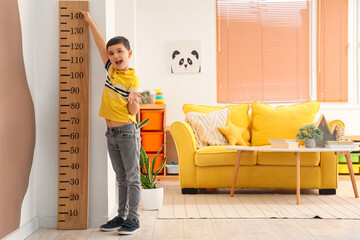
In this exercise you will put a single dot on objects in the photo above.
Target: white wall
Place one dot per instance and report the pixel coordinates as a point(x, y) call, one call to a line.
point(41, 51)
point(161, 21)
point(28, 27)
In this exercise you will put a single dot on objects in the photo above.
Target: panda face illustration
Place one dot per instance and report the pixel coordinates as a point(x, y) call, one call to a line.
point(187, 62)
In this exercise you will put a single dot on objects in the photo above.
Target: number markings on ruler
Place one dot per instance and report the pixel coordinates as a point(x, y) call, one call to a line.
point(73, 116)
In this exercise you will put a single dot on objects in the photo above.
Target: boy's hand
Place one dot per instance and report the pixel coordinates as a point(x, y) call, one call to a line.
point(134, 97)
point(86, 14)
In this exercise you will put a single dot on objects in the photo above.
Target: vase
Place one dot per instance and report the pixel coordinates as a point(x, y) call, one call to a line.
point(310, 143)
point(152, 199)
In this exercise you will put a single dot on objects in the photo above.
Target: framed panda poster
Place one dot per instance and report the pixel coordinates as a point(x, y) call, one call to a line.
point(185, 56)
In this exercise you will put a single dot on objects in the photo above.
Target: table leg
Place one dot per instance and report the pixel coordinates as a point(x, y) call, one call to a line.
point(297, 177)
point(236, 170)
point(351, 173)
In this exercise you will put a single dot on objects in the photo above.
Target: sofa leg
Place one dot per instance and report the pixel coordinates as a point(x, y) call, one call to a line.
point(327, 191)
point(189, 190)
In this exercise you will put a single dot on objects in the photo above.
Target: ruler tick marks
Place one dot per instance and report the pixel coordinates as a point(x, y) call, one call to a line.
point(74, 116)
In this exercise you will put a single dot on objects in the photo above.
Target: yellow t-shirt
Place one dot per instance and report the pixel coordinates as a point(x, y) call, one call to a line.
point(119, 84)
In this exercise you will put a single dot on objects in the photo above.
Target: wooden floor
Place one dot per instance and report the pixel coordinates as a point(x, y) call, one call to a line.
point(262, 229)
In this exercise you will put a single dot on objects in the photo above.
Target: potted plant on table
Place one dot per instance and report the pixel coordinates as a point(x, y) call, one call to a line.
point(308, 134)
point(151, 195)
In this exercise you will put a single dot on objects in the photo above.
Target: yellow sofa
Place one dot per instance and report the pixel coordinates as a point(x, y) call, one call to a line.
point(213, 166)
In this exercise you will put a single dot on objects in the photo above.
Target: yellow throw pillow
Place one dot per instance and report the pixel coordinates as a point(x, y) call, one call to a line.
point(233, 134)
point(238, 115)
point(205, 127)
point(280, 122)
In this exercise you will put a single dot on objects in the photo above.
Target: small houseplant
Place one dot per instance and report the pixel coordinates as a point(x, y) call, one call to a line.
point(308, 134)
point(151, 195)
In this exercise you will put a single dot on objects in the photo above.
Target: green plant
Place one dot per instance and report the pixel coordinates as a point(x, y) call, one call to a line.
point(148, 176)
point(309, 132)
point(146, 97)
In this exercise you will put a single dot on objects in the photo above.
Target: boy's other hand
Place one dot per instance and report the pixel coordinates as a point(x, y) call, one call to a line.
point(86, 14)
point(134, 97)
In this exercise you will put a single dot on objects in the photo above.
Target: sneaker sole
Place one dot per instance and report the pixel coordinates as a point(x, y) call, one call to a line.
point(110, 229)
point(128, 233)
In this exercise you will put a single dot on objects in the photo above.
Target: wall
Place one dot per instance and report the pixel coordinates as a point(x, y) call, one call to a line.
point(47, 117)
point(40, 41)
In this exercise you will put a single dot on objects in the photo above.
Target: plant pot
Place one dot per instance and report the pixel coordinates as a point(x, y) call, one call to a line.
point(152, 199)
point(310, 143)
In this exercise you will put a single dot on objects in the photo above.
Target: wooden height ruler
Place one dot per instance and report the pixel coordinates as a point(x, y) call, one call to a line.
point(74, 94)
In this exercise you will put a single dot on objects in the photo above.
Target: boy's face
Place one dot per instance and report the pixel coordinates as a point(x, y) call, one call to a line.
point(119, 56)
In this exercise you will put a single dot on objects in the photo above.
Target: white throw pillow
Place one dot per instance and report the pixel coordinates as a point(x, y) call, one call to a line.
point(205, 127)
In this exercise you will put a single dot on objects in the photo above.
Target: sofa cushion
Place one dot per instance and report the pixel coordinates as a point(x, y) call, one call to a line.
point(205, 127)
point(280, 122)
point(309, 159)
point(220, 156)
point(233, 134)
point(238, 115)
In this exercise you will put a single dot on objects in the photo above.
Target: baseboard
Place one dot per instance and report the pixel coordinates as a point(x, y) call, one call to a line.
point(24, 231)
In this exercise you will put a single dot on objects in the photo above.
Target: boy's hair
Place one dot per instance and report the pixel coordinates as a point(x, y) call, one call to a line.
point(117, 40)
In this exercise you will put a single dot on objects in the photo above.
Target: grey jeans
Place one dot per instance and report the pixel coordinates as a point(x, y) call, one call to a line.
point(124, 150)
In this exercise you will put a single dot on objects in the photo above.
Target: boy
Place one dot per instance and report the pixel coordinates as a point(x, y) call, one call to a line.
point(119, 105)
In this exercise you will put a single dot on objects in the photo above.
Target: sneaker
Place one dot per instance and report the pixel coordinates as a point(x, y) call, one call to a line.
point(130, 226)
point(112, 225)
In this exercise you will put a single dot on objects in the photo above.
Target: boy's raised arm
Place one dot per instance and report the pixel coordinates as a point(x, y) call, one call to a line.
point(99, 39)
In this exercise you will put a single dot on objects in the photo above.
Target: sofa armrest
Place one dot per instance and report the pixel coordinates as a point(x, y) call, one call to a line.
point(185, 143)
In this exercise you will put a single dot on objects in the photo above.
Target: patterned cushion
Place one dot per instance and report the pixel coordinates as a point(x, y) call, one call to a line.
point(238, 115)
point(205, 127)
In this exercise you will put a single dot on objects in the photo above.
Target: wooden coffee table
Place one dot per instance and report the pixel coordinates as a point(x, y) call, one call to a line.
point(338, 151)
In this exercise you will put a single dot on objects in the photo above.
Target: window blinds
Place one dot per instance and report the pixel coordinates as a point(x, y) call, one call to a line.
point(262, 50)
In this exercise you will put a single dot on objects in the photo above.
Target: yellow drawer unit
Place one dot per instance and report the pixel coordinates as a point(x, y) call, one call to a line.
point(343, 168)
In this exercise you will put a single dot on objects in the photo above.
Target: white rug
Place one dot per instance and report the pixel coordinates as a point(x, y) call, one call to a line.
point(260, 203)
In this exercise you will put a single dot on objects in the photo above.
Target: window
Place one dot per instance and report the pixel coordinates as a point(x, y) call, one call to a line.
point(263, 50)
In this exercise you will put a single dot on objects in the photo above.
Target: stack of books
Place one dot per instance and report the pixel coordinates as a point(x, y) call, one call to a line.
point(340, 144)
point(284, 143)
